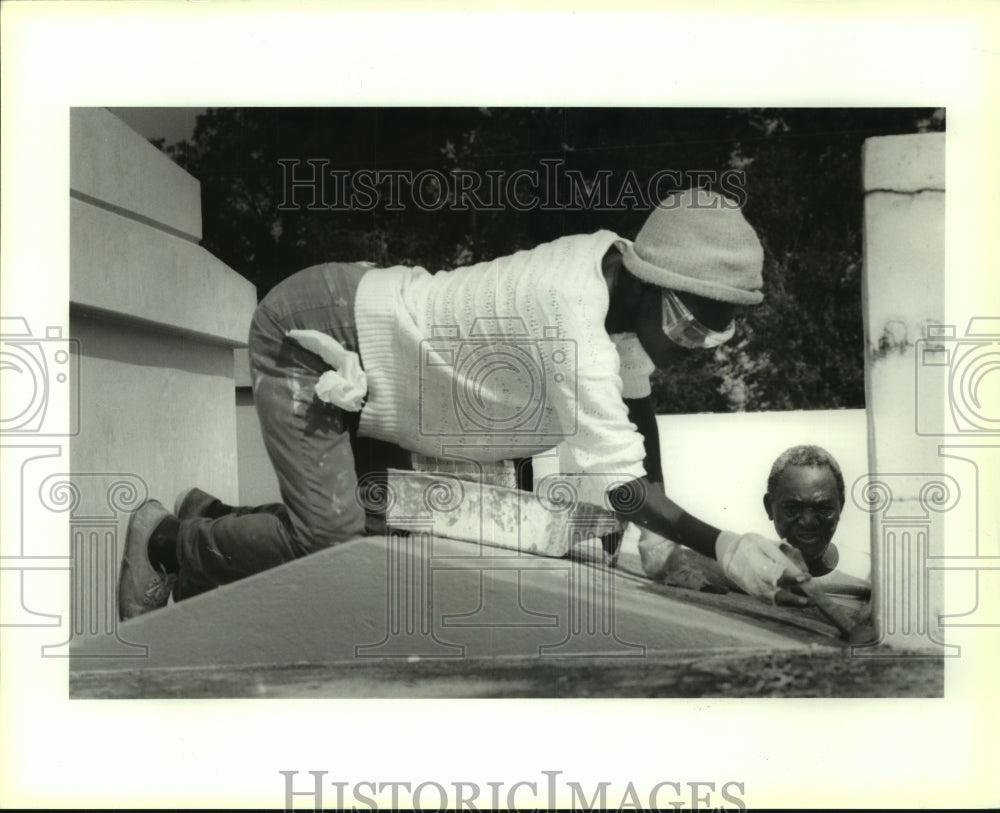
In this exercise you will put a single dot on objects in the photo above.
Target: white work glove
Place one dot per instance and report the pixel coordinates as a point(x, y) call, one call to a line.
point(664, 560)
point(760, 567)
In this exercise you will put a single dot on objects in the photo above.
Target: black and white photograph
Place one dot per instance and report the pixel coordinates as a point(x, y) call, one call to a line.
point(478, 326)
point(359, 415)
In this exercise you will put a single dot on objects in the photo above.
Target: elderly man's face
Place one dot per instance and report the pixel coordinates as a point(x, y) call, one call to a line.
point(805, 508)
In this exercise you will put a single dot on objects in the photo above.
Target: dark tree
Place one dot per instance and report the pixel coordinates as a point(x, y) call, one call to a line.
point(802, 349)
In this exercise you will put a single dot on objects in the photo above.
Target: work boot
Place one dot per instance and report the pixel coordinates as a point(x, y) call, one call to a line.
point(141, 586)
point(193, 502)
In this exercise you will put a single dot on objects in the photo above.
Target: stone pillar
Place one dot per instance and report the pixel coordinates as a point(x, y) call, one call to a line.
point(904, 304)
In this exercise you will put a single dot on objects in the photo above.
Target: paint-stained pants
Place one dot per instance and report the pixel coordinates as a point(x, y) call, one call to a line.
point(308, 441)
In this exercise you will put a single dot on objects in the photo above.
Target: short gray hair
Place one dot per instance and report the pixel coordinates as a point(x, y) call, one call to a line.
point(805, 455)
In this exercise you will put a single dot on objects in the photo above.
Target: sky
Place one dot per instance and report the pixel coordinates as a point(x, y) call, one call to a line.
point(171, 123)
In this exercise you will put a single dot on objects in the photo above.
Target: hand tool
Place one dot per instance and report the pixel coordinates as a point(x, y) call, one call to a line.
point(855, 632)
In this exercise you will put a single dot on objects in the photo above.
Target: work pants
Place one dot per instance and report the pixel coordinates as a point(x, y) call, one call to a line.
point(308, 441)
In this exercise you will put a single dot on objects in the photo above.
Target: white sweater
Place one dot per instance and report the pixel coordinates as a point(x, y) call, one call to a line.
point(504, 359)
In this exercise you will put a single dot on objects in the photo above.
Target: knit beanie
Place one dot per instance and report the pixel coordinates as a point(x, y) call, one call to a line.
point(698, 241)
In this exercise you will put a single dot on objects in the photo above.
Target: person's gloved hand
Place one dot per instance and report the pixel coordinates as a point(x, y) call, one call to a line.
point(762, 567)
point(664, 560)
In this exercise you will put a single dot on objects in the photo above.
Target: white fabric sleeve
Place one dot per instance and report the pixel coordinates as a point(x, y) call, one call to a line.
point(603, 444)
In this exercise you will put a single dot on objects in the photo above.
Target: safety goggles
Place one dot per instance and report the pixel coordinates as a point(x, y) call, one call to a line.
point(681, 326)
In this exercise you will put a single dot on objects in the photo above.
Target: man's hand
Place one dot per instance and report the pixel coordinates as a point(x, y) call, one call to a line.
point(763, 568)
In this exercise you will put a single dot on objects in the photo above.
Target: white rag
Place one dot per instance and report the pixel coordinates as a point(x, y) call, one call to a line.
point(345, 385)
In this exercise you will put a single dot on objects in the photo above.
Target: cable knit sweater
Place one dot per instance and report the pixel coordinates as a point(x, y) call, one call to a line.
point(503, 359)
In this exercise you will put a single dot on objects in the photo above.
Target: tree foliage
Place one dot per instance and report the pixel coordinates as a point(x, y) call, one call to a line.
point(801, 349)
